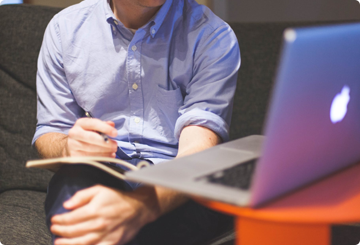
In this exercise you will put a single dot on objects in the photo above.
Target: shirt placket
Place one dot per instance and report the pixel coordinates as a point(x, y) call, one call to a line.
point(136, 98)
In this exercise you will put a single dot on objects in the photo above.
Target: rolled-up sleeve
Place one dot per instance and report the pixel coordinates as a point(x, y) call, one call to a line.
point(209, 95)
point(57, 109)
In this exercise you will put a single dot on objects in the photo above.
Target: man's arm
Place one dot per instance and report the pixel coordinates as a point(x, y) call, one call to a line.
point(52, 145)
point(83, 140)
point(195, 139)
point(192, 139)
point(90, 220)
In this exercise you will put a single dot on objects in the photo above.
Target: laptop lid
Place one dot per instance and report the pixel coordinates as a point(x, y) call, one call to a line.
point(313, 123)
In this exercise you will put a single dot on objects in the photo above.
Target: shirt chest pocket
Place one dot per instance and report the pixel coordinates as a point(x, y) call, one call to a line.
point(167, 104)
point(169, 100)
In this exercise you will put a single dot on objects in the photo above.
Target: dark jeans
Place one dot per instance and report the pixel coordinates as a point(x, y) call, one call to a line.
point(189, 224)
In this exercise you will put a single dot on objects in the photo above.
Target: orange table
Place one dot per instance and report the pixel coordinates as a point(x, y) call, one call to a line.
point(303, 217)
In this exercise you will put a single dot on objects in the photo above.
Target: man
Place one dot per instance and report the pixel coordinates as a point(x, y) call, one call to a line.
point(158, 76)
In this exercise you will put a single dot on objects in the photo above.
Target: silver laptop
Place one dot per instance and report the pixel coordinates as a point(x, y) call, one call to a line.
point(312, 127)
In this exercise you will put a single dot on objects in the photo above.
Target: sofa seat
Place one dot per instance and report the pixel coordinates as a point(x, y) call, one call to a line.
point(22, 218)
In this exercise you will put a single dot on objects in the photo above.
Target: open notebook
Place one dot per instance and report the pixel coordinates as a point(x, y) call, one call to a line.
point(107, 164)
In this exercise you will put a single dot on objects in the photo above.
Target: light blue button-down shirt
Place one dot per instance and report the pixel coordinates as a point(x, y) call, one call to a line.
point(179, 69)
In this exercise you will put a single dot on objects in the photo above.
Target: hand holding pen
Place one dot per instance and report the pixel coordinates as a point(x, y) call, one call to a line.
point(105, 137)
point(90, 137)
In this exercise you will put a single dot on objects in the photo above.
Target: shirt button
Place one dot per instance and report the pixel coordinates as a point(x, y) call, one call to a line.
point(153, 31)
point(134, 48)
point(115, 22)
point(137, 120)
point(135, 86)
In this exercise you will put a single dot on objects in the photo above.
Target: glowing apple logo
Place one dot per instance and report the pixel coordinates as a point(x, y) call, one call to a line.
point(339, 105)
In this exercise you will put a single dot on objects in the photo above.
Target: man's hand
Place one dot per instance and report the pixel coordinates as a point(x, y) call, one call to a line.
point(101, 215)
point(83, 140)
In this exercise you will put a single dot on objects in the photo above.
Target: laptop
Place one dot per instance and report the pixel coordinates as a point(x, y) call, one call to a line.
point(312, 127)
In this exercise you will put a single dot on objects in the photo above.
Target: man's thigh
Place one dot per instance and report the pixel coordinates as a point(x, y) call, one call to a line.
point(189, 224)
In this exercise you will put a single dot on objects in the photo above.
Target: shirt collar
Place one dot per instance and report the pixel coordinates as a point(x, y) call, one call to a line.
point(160, 16)
point(157, 20)
point(108, 12)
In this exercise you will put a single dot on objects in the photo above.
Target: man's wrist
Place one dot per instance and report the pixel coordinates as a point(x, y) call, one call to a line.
point(157, 201)
point(149, 204)
point(65, 150)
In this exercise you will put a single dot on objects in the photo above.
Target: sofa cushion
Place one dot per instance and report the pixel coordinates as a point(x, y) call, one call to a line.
point(20, 45)
point(21, 32)
point(17, 126)
point(22, 218)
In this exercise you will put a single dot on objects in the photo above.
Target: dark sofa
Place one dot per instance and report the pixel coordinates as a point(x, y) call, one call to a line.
point(22, 191)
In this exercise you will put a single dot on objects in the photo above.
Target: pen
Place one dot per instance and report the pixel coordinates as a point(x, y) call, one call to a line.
point(105, 137)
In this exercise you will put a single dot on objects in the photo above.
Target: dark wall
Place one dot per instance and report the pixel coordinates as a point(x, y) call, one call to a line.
point(286, 10)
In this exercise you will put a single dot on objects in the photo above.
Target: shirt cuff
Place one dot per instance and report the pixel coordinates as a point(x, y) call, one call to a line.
point(41, 130)
point(205, 119)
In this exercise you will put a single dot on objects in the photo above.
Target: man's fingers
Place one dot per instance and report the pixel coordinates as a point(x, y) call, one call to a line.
point(93, 124)
point(78, 202)
point(112, 124)
point(90, 238)
point(93, 154)
point(92, 143)
point(71, 218)
point(80, 229)
point(84, 138)
point(90, 232)
point(81, 198)
point(89, 136)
